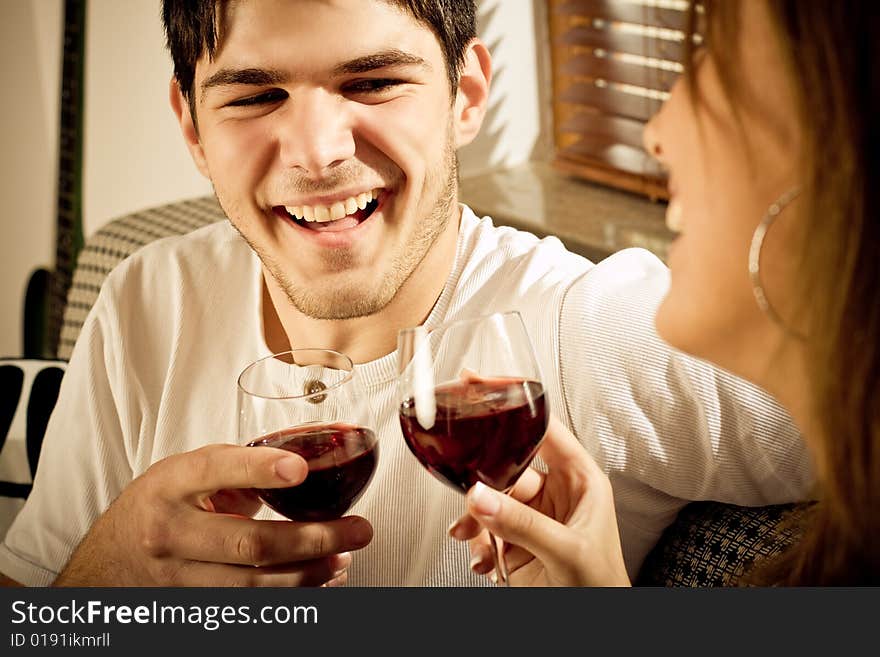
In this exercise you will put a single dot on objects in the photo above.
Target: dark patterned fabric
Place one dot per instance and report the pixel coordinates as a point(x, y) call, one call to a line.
point(713, 544)
point(116, 241)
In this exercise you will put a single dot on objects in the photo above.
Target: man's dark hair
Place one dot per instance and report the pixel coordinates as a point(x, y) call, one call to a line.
point(192, 28)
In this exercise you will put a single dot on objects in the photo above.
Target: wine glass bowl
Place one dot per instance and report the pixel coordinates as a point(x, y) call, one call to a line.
point(308, 401)
point(472, 403)
point(485, 430)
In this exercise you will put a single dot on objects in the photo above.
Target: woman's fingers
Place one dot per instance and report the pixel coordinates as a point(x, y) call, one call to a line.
point(542, 548)
point(562, 451)
point(518, 523)
point(483, 563)
point(481, 557)
point(527, 486)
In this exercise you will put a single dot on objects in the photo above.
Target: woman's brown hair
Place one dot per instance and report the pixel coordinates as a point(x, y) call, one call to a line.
point(830, 52)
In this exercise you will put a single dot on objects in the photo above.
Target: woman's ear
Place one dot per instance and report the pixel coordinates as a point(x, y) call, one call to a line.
point(188, 127)
point(472, 97)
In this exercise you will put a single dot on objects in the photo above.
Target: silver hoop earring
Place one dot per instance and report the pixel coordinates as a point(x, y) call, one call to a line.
point(769, 217)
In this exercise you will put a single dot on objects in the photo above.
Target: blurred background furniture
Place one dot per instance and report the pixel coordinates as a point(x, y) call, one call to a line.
point(30, 389)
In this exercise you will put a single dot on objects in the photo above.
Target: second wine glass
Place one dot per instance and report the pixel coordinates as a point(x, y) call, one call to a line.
point(309, 401)
point(472, 403)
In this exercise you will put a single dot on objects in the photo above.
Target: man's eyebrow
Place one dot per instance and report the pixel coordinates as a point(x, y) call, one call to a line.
point(249, 76)
point(391, 57)
point(263, 76)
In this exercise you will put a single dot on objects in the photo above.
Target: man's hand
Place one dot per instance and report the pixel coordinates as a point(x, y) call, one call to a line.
point(185, 522)
point(560, 528)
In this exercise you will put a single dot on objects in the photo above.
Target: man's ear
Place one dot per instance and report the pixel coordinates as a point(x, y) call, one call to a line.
point(188, 127)
point(472, 98)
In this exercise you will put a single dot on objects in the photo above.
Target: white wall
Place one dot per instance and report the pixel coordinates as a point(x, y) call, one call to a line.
point(133, 154)
point(30, 49)
point(516, 124)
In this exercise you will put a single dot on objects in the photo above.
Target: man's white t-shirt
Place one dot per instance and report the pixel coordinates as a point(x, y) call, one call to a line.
point(154, 373)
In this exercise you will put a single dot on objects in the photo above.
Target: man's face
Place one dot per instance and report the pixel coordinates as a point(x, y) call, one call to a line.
point(326, 128)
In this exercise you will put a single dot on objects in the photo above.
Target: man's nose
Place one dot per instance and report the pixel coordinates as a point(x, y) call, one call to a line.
point(317, 134)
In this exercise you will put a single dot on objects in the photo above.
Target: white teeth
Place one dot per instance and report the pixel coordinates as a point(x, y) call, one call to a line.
point(337, 211)
point(334, 212)
point(673, 216)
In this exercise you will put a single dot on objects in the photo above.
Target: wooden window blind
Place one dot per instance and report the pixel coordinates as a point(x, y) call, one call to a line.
point(613, 63)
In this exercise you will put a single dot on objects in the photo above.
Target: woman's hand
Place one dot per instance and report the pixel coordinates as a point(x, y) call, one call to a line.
point(559, 528)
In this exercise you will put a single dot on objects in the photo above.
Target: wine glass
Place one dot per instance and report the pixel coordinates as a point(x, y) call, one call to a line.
point(309, 401)
point(472, 405)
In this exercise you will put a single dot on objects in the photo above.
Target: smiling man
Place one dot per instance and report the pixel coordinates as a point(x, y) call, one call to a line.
point(328, 129)
point(335, 159)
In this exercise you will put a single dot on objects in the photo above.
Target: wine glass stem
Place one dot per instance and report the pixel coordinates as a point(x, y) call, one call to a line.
point(498, 558)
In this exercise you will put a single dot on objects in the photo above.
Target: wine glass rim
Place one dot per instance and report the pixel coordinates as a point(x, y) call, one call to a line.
point(465, 320)
point(347, 378)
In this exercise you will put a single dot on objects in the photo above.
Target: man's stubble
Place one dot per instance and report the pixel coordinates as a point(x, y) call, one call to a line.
point(349, 298)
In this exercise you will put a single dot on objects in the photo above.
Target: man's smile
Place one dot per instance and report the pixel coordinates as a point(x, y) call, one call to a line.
point(338, 215)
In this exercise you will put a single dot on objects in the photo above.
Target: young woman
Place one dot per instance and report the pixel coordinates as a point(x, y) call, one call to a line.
point(772, 149)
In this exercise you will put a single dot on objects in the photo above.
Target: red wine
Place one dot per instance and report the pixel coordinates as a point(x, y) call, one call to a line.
point(484, 431)
point(342, 459)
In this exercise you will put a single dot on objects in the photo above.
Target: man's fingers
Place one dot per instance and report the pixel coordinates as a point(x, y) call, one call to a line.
point(237, 501)
point(316, 572)
point(208, 537)
point(214, 467)
point(340, 580)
